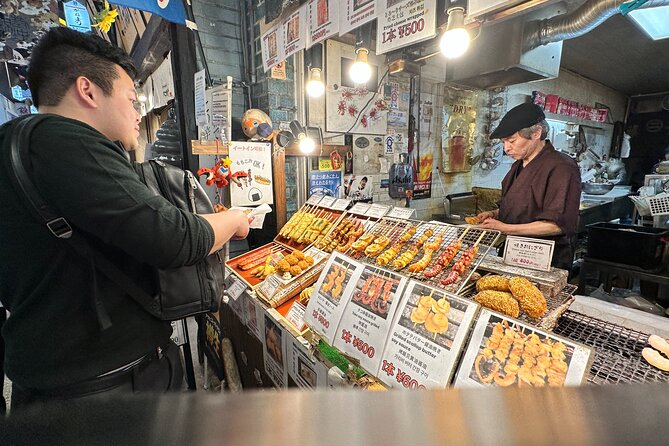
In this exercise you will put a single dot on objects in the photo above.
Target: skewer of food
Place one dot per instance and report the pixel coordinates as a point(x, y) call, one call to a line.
point(298, 216)
point(463, 262)
point(257, 258)
point(429, 249)
point(446, 257)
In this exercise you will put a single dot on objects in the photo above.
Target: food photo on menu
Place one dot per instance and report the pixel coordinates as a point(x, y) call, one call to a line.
point(375, 291)
point(336, 278)
point(433, 315)
point(306, 372)
point(273, 340)
point(511, 354)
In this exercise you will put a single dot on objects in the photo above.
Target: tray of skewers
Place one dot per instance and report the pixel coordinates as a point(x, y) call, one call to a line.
point(344, 234)
point(308, 226)
point(384, 234)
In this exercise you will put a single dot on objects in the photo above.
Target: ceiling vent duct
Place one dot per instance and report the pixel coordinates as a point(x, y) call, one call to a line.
point(497, 59)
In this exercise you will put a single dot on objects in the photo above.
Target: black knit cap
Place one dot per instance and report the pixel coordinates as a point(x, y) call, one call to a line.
point(519, 117)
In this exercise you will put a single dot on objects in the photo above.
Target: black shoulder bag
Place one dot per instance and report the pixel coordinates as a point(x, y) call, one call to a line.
point(182, 292)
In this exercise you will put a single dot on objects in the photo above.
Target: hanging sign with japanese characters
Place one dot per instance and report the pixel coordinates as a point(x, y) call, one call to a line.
point(323, 20)
point(272, 47)
point(425, 342)
point(405, 22)
point(367, 318)
point(250, 173)
point(295, 32)
point(356, 13)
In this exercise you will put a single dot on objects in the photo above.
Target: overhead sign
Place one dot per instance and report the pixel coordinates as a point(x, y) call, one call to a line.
point(356, 13)
point(76, 16)
point(271, 45)
point(404, 23)
point(323, 20)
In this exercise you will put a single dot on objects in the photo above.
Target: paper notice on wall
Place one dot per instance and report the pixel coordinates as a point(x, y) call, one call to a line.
point(251, 173)
point(295, 32)
point(199, 87)
point(356, 13)
point(272, 48)
point(404, 22)
point(323, 20)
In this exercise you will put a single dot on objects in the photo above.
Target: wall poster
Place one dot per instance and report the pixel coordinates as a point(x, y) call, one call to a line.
point(272, 47)
point(323, 20)
point(458, 129)
point(356, 13)
point(404, 22)
point(295, 32)
point(252, 163)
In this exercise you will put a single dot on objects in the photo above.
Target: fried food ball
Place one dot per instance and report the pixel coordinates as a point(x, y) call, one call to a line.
point(531, 300)
point(283, 265)
point(309, 260)
point(295, 270)
point(493, 282)
point(291, 259)
point(298, 254)
point(498, 301)
point(303, 265)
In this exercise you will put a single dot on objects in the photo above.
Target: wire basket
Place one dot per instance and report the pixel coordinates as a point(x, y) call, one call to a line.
point(658, 205)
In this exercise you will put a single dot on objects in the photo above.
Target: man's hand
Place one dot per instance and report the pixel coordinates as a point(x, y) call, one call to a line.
point(483, 216)
point(491, 223)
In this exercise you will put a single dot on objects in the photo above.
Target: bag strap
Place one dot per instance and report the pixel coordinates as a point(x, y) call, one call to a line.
point(60, 227)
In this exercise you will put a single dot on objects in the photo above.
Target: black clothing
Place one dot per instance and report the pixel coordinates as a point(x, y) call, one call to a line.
point(547, 188)
point(52, 336)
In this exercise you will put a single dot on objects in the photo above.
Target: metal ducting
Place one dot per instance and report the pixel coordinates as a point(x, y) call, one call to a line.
point(583, 20)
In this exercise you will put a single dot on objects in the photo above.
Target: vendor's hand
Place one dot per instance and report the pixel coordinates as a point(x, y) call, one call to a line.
point(483, 216)
point(491, 223)
point(242, 221)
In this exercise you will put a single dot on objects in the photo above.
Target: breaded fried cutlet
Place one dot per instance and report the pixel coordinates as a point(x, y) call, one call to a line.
point(493, 282)
point(531, 300)
point(499, 301)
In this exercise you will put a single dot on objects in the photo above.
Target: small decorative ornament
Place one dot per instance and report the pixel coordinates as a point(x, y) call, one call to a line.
point(105, 18)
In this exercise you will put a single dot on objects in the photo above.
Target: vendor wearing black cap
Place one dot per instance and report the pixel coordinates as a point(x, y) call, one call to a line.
point(542, 191)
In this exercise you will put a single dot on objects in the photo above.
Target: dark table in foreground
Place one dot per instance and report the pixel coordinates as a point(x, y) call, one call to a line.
point(607, 415)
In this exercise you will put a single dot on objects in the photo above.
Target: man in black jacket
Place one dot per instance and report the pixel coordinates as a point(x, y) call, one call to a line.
point(55, 347)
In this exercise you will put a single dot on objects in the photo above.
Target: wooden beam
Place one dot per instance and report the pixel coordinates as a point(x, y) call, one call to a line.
point(279, 174)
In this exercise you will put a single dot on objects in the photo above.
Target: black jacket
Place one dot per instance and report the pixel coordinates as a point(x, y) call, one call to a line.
point(52, 336)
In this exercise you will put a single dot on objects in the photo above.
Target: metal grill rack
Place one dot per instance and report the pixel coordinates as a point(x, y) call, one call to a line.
point(658, 205)
point(367, 222)
point(421, 228)
point(617, 350)
point(392, 228)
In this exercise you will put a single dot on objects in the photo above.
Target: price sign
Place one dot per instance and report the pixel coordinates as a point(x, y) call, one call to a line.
point(377, 210)
point(296, 316)
point(403, 213)
point(324, 164)
point(341, 204)
point(529, 253)
point(314, 199)
point(269, 286)
point(236, 288)
point(360, 209)
point(327, 202)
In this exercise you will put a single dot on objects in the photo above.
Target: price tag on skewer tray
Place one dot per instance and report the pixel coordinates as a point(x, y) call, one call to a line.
point(505, 352)
point(377, 210)
point(331, 293)
point(235, 287)
point(341, 204)
point(327, 202)
point(426, 339)
point(366, 320)
point(314, 199)
point(403, 213)
point(295, 316)
point(360, 209)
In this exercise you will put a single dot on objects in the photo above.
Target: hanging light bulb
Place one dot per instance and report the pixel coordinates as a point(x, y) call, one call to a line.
point(307, 145)
point(455, 41)
point(360, 71)
point(304, 142)
point(315, 87)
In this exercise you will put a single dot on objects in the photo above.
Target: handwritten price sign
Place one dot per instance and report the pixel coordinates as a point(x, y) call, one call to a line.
point(529, 253)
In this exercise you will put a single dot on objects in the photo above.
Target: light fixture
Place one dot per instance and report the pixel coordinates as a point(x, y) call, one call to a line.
point(141, 96)
point(304, 141)
point(315, 86)
point(455, 41)
point(360, 71)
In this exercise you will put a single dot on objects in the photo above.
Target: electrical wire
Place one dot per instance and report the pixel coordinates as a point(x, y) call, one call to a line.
point(378, 90)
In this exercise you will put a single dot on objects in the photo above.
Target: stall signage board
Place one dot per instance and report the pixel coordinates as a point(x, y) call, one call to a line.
point(562, 362)
point(331, 293)
point(255, 317)
point(368, 315)
point(314, 199)
point(76, 16)
point(341, 204)
point(377, 210)
point(306, 371)
point(274, 351)
point(422, 352)
point(325, 183)
point(199, 88)
point(529, 253)
point(355, 13)
point(323, 20)
point(402, 213)
point(254, 161)
point(405, 23)
point(360, 209)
